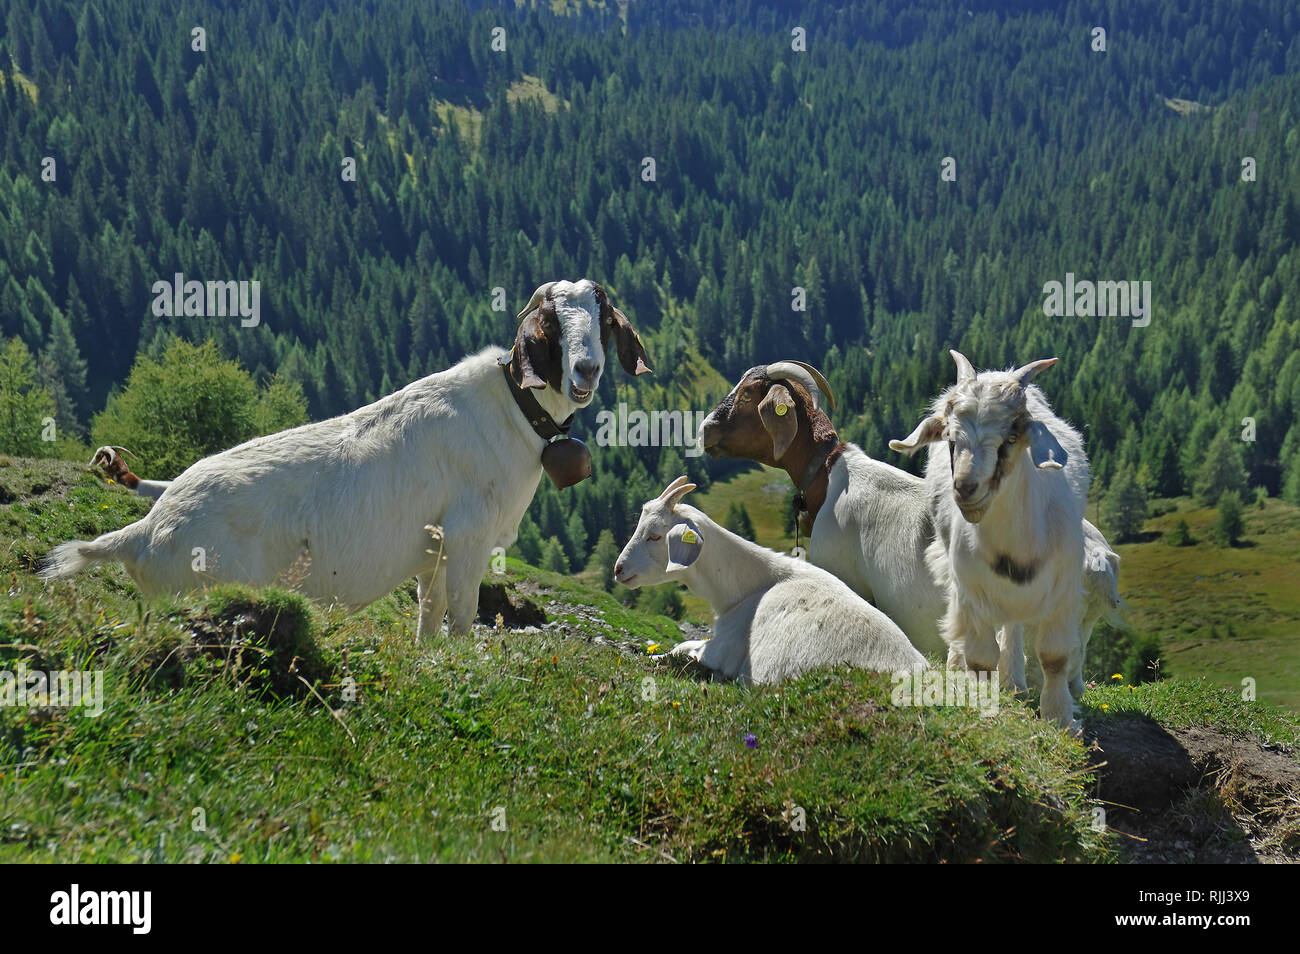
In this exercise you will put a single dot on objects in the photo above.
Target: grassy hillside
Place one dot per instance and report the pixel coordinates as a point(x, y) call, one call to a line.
point(1223, 613)
point(228, 734)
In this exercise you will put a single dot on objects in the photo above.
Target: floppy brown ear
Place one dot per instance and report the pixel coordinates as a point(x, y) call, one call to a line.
point(777, 413)
point(631, 354)
point(530, 358)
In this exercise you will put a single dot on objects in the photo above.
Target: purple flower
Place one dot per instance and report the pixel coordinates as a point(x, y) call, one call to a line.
point(751, 741)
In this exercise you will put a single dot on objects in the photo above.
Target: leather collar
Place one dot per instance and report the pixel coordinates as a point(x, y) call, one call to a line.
point(541, 422)
point(815, 465)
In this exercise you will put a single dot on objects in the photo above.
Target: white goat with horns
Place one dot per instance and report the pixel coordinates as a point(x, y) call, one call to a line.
point(348, 501)
point(1008, 482)
point(776, 616)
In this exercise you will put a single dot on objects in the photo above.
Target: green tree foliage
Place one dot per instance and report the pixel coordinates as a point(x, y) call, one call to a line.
point(603, 558)
point(24, 404)
point(1124, 507)
point(739, 522)
point(1229, 525)
point(1222, 470)
point(1180, 535)
point(664, 600)
point(190, 403)
point(553, 558)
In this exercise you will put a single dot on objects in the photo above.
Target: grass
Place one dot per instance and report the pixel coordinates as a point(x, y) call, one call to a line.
point(1224, 613)
point(250, 725)
point(564, 744)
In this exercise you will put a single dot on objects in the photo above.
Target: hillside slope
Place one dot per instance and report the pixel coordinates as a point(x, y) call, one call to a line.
point(250, 725)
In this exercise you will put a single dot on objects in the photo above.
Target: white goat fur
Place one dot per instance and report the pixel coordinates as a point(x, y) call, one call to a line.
point(1032, 516)
point(775, 616)
point(347, 500)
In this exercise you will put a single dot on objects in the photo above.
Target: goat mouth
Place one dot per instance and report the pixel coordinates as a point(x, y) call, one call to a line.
point(578, 396)
point(971, 512)
point(625, 580)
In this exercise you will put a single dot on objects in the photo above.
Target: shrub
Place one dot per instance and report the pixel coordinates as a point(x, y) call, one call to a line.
point(24, 404)
point(190, 403)
point(1179, 535)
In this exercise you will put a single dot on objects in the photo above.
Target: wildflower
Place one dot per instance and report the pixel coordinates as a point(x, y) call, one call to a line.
point(751, 741)
point(1118, 676)
point(652, 647)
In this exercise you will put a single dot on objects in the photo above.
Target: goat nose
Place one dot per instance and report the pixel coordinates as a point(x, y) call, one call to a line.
point(586, 369)
point(618, 569)
point(965, 488)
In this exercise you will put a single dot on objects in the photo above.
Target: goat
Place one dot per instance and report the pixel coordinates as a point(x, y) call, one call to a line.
point(347, 501)
point(871, 522)
point(776, 617)
point(109, 457)
point(1007, 500)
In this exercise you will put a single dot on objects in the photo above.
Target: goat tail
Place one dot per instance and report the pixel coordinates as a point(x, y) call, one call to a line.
point(76, 555)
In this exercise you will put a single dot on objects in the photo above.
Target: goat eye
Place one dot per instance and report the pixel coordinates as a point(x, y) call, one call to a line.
point(656, 536)
point(1013, 438)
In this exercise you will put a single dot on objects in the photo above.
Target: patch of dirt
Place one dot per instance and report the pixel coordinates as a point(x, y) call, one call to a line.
point(1197, 795)
point(514, 608)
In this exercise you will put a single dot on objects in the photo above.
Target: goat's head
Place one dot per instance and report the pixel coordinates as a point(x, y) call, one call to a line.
point(987, 424)
point(666, 541)
point(764, 412)
point(563, 332)
point(109, 457)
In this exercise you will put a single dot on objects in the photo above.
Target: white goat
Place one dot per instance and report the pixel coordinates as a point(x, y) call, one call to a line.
point(347, 501)
point(1007, 495)
point(109, 457)
point(776, 616)
point(872, 523)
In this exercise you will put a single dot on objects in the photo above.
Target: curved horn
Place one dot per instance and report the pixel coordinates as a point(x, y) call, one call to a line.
point(964, 370)
point(541, 292)
point(1030, 371)
point(806, 375)
point(675, 486)
point(123, 450)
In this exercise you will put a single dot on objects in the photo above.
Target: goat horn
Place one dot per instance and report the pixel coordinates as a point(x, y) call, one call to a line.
point(541, 292)
point(806, 375)
point(677, 482)
point(964, 370)
point(123, 450)
point(1030, 371)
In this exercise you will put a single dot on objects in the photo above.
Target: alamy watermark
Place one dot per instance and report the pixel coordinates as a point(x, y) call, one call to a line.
point(64, 688)
point(194, 299)
point(624, 428)
point(947, 687)
point(1086, 299)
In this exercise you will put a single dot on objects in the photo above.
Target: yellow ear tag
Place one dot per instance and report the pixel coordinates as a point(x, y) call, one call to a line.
point(780, 410)
point(688, 536)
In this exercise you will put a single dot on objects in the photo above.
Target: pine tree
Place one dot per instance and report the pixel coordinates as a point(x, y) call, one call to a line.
point(1124, 507)
point(602, 561)
point(738, 521)
point(1228, 528)
point(24, 404)
point(1221, 471)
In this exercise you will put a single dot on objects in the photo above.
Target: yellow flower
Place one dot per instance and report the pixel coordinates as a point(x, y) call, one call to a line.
point(1105, 705)
point(677, 705)
point(1117, 676)
point(652, 647)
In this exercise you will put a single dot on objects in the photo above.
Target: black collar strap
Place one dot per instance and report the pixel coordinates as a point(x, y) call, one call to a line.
point(541, 422)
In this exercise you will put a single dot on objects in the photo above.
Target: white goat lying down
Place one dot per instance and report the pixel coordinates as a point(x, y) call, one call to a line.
point(109, 457)
point(1008, 482)
point(872, 523)
point(346, 501)
point(776, 616)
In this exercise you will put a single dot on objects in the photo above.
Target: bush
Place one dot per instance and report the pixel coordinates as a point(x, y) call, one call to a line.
point(190, 403)
point(24, 405)
point(1179, 535)
point(1222, 470)
point(1229, 526)
point(665, 600)
point(739, 522)
point(1118, 649)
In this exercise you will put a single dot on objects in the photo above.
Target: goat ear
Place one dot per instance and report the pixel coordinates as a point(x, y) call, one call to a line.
point(530, 358)
point(1044, 448)
point(684, 546)
point(631, 353)
point(777, 413)
point(927, 432)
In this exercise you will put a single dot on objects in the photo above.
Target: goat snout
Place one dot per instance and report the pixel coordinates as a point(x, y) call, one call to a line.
point(586, 370)
point(964, 488)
